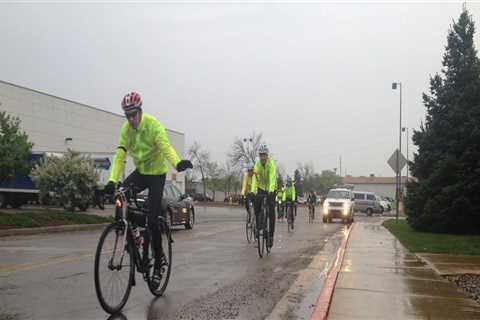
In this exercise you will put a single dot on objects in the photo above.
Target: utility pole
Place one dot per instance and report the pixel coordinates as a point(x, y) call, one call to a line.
point(340, 166)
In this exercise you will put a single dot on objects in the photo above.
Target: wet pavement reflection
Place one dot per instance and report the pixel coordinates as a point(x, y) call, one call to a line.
point(380, 279)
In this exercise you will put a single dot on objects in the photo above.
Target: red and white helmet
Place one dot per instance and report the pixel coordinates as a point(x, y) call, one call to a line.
point(132, 102)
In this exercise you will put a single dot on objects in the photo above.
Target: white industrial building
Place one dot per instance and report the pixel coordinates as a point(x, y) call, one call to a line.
point(56, 124)
point(381, 186)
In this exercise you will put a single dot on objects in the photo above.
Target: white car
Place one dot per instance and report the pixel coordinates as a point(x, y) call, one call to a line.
point(384, 204)
point(338, 204)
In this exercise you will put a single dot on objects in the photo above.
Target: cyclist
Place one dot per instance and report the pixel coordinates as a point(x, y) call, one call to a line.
point(246, 193)
point(145, 139)
point(279, 199)
point(264, 183)
point(289, 196)
point(295, 202)
point(312, 201)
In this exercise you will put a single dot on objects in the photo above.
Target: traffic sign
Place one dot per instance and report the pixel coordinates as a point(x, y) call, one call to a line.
point(393, 161)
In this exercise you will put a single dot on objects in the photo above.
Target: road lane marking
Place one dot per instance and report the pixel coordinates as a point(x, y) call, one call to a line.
point(5, 271)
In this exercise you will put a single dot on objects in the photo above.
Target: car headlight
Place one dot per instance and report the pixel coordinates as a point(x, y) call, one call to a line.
point(325, 209)
point(346, 208)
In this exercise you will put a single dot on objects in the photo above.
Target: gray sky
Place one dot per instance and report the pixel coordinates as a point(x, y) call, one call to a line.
point(314, 77)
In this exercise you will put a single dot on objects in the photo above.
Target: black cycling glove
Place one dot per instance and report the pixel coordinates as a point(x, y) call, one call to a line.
point(109, 187)
point(184, 165)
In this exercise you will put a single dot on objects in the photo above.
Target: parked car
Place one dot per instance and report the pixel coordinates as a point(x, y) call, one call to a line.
point(234, 198)
point(367, 202)
point(301, 200)
point(338, 204)
point(386, 205)
point(179, 207)
point(201, 197)
point(320, 199)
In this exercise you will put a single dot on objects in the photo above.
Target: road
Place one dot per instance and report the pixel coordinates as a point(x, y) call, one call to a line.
point(216, 274)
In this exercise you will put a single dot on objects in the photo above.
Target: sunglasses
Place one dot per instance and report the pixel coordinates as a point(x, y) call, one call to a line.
point(131, 115)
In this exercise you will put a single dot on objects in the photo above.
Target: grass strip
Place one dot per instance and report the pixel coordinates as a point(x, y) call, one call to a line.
point(433, 242)
point(29, 219)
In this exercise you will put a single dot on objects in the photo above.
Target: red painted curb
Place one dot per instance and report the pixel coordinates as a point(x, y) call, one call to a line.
point(323, 302)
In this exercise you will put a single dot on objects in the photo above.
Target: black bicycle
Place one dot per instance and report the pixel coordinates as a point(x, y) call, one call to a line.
point(290, 217)
point(311, 212)
point(125, 245)
point(263, 230)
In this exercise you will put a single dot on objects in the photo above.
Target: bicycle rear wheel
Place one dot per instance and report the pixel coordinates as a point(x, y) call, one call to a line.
point(157, 288)
point(290, 218)
point(114, 269)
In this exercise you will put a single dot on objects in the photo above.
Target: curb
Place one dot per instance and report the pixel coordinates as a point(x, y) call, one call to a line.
point(56, 229)
point(323, 302)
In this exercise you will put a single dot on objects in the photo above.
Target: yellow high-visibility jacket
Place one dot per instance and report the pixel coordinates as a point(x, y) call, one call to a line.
point(265, 176)
point(246, 183)
point(148, 145)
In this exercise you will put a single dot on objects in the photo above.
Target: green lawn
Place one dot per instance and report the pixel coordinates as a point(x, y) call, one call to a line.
point(30, 219)
point(433, 242)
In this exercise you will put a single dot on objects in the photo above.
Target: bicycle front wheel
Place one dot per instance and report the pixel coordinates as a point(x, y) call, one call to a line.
point(261, 234)
point(114, 269)
point(157, 288)
point(266, 238)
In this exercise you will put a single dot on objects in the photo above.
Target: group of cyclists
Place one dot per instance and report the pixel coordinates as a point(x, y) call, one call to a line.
point(145, 139)
point(260, 179)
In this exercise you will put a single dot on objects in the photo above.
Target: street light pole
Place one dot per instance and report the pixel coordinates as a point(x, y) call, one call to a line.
point(405, 129)
point(248, 142)
point(399, 172)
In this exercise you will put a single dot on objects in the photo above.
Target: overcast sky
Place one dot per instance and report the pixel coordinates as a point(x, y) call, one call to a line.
point(313, 77)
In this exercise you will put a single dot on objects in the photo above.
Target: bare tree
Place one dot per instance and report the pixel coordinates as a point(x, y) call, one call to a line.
point(200, 159)
point(213, 174)
point(231, 177)
point(245, 150)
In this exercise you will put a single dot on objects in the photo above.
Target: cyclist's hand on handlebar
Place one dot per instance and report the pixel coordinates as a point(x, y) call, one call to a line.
point(184, 165)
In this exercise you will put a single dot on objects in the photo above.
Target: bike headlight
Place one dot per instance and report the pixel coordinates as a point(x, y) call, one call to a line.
point(184, 210)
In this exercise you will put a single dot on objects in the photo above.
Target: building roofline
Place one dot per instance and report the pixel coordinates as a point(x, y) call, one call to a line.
point(71, 101)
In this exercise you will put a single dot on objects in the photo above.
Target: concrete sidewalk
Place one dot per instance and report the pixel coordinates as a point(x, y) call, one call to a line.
point(380, 279)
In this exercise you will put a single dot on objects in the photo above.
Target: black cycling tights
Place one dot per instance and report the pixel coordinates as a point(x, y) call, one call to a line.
point(155, 184)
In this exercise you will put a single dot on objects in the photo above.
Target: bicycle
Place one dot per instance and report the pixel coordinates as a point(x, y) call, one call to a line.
point(263, 230)
point(250, 224)
point(290, 217)
point(280, 211)
point(120, 251)
point(311, 212)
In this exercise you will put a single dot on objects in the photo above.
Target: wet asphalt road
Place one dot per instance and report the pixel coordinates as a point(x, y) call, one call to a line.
point(216, 274)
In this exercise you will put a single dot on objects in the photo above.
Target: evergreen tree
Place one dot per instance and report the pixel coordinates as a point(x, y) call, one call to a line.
point(447, 165)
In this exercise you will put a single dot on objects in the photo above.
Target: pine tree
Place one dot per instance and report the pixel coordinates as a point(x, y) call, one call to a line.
point(447, 166)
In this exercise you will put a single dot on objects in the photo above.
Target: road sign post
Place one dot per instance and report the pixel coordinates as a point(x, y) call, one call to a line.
point(397, 161)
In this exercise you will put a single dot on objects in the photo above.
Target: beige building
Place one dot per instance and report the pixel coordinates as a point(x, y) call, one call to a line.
point(381, 186)
point(56, 124)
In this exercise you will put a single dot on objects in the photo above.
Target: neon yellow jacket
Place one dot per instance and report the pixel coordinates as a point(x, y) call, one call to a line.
point(289, 193)
point(280, 194)
point(265, 177)
point(246, 183)
point(148, 145)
